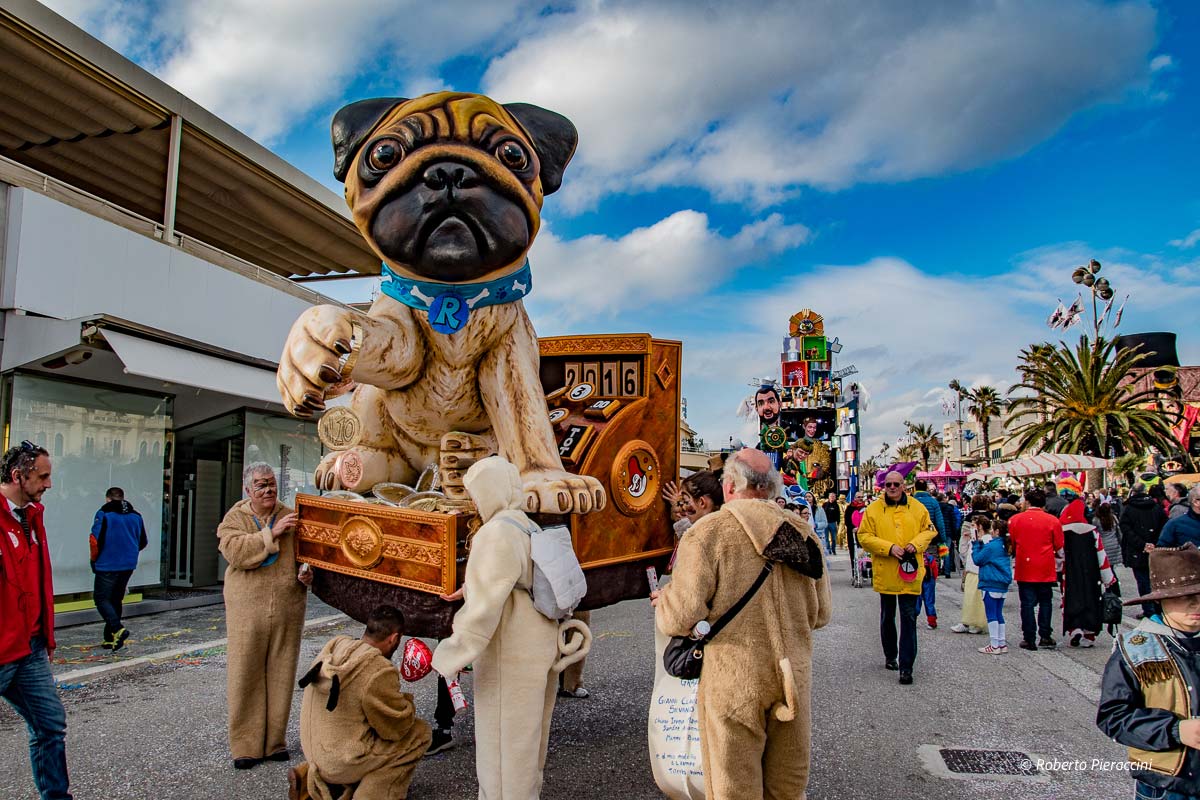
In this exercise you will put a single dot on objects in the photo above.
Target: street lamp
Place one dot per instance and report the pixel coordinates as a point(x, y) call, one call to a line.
point(960, 393)
point(1099, 287)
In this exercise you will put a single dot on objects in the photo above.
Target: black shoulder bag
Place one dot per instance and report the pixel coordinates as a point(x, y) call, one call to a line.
point(684, 655)
point(1113, 608)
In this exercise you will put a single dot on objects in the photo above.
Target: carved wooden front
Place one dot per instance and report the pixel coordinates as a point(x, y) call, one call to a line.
point(614, 403)
point(400, 546)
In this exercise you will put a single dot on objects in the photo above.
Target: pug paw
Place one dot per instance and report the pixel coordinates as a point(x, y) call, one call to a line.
point(311, 358)
point(556, 491)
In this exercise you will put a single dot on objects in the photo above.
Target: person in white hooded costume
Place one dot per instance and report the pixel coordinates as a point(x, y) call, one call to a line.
point(514, 648)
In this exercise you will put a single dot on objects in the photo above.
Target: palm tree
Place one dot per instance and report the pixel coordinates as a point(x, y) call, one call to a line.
point(985, 403)
point(926, 441)
point(908, 451)
point(867, 471)
point(1127, 466)
point(1090, 406)
point(1038, 353)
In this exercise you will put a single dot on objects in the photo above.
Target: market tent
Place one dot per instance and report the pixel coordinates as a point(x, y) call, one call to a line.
point(944, 471)
point(1186, 478)
point(1040, 464)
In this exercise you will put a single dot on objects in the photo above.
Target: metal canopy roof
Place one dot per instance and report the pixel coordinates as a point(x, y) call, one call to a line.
point(74, 109)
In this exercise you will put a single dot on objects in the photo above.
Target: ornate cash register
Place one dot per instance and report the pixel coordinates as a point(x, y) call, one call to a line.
point(614, 404)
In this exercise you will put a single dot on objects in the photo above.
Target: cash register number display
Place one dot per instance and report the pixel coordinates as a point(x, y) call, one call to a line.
point(614, 405)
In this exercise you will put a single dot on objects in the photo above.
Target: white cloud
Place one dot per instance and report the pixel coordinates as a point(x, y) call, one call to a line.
point(748, 101)
point(752, 102)
point(672, 261)
point(1187, 242)
point(910, 332)
point(1162, 62)
point(263, 64)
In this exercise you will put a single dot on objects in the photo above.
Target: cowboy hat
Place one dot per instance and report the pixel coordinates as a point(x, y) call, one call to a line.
point(1174, 572)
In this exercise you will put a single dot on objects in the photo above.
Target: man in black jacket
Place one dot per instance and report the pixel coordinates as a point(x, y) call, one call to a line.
point(1141, 523)
point(1148, 697)
point(833, 516)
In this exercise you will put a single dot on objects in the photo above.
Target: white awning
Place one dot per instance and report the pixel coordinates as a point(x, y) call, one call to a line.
point(1039, 465)
point(165, 362)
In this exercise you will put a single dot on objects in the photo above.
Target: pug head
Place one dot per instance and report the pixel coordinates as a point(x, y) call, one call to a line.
point(448, 187)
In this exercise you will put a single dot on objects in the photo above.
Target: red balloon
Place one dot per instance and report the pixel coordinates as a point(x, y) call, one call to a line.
point(417, 661)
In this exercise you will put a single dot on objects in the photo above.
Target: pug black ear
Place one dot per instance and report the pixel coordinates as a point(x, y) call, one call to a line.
point(352, 124)
point(553, 135)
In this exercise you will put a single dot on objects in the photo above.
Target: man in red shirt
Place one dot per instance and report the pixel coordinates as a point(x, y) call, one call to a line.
point(1038, 539)
point(27, 616)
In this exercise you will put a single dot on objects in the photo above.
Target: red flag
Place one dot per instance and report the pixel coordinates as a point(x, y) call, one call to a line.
point(1184, 429)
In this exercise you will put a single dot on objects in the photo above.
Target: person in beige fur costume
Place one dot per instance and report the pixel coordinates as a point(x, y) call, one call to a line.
point(264, 617)
point(360, 733)
point(753, 701)
point(517, 652)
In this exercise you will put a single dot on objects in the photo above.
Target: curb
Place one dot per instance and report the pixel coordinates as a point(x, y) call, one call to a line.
point(81, 677)
point(87, 616)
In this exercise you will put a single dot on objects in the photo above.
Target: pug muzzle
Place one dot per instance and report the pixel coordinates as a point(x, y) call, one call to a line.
point(448, 187)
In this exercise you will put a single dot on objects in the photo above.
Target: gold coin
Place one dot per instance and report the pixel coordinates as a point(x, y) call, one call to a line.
point(339, 428)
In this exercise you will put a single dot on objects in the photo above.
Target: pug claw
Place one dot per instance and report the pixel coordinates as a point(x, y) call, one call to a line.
point(556, 491)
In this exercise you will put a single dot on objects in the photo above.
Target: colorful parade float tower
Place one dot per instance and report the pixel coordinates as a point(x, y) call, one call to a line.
point(815, 439)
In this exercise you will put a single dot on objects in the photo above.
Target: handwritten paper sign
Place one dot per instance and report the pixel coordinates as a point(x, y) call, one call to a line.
point(674, 732)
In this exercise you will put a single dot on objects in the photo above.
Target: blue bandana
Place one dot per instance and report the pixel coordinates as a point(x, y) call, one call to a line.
point(449, 305)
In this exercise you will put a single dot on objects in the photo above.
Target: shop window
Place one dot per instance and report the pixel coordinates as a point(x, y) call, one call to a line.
point(71, 416)
point(156, 451)
point(142, 450)
point(290, 446)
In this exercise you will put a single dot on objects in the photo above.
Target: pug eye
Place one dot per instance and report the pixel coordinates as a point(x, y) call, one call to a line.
point(385, 154)
point(512, 155)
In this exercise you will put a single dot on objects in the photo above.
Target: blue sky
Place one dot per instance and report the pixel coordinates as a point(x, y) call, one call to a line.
point(925, 175)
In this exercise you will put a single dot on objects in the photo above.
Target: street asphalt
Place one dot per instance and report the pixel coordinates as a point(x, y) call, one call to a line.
point(155, 728)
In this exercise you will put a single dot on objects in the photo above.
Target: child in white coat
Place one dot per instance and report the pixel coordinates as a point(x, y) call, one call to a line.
point(517, 652)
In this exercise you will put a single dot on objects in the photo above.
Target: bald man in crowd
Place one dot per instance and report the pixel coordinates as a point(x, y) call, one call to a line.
point(754, 694)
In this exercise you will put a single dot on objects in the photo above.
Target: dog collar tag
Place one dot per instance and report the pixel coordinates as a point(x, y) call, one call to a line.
point(449, 305)
point(448, 313)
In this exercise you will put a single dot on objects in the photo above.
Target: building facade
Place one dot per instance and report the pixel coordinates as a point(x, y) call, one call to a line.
point(150, 258)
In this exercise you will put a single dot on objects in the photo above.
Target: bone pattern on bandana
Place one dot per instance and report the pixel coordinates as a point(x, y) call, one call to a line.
point(422, 295)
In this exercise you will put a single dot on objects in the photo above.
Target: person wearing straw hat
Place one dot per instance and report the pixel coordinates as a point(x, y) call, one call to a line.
point(1149, 697)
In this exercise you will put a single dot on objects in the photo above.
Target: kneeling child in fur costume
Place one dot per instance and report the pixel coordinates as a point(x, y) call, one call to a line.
point(359, 732)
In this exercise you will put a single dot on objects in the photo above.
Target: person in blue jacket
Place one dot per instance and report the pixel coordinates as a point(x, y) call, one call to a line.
point(933, 555)
point(991, 553)
point(118, 535)
point(1186, 527)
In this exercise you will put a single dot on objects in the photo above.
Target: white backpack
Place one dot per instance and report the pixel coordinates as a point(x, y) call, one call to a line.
point(558, 581)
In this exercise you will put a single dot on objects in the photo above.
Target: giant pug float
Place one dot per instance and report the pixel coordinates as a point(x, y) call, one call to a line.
point(447, 189)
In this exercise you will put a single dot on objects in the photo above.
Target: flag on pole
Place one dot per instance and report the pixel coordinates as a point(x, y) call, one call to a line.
point(1074, 313)
point(1120, 311)
point(1057, 317)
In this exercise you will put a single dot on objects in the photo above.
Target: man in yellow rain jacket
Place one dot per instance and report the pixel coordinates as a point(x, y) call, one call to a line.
point(896, 530)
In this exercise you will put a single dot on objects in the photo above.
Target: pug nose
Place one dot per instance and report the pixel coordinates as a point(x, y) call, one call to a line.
point(450, 176)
